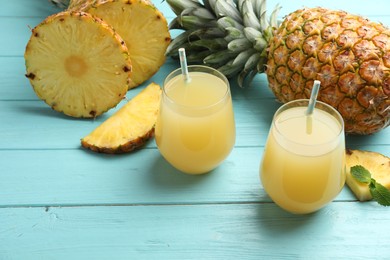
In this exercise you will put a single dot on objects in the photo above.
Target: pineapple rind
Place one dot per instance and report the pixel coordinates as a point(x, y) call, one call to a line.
point(130, 127)
point(376, 163)
point(92, 48)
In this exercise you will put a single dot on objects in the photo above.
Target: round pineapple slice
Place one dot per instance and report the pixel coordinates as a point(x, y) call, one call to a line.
point(141, 25)
point(128, 128)
point(377, 164)
point(77, 64)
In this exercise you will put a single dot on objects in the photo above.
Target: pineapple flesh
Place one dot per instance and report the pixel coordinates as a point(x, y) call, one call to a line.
point(377, 164)
point(128, 128)
point(77, 64)
point(350, 55)
point(141, 25)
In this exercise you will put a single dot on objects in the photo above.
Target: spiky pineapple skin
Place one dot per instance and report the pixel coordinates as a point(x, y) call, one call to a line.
point(350, 55)
point(48, 90)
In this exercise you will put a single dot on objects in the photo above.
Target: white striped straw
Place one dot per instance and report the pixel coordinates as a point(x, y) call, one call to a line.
point(183, 64)
point(313, 97)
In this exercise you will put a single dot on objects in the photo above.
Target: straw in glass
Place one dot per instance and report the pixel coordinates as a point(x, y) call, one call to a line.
point(310, 107)
point(183, 64)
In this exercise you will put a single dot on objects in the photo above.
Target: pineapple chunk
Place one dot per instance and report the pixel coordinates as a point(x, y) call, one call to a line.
point(77, 64)
point(129, 127)
point(376, 163)
point(142, 26)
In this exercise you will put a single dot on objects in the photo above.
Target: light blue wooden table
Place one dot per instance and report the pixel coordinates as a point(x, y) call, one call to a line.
point(59, 201)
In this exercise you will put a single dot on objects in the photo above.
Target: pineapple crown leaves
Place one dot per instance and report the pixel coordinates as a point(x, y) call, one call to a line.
point(60, 3)
point(229, 35)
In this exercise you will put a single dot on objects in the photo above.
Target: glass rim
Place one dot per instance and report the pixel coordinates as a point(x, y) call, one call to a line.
point(335, 114)
point(202, 68)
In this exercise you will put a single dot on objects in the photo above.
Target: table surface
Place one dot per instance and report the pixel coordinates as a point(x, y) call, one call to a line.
point(60, 201)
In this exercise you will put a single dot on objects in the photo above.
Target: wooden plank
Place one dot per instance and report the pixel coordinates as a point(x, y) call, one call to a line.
point(28, 8)
point(14, 84)
point(45, 128)
point(17, 33)
point(75, 177)
point(245, 231)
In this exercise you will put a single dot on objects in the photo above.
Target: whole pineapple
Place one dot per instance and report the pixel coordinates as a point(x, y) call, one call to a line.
point(350, 55)
point(143, 28)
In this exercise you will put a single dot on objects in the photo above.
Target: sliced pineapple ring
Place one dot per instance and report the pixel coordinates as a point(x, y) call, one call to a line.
point(141, 25)
point(376, 163)
point(77, 64)
point(129, 127)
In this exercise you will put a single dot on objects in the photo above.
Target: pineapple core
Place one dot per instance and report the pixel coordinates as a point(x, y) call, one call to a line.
point(75, 66)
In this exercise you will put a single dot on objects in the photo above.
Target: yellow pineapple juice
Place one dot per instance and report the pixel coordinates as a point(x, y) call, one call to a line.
point(303, 165)
point(195, 129)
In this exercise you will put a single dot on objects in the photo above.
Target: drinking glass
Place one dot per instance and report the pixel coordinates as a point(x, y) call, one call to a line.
point(195, 128)
point(303, 165)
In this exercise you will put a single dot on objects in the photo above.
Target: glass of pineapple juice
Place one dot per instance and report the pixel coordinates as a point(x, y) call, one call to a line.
point(303, 165)
point(195, 128)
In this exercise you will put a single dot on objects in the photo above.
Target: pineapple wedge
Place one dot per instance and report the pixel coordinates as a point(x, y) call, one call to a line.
point(376, 163)
point(142, 26)
point(77, 64)
point(129, 127)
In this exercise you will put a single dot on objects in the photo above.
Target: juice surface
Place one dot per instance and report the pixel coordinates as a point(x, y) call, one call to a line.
point(319, 128)
point(196, 135)
point(203, 89)
point(303, 178)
